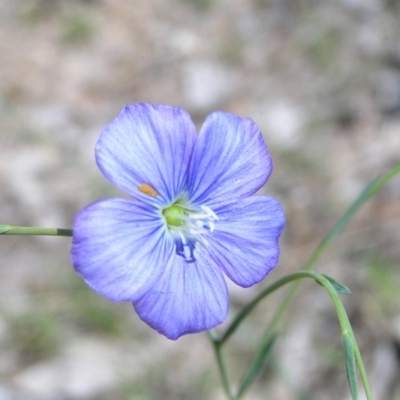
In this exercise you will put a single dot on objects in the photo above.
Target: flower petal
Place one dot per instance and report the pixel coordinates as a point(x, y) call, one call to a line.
point(245, 241)
point(187, 298)
point(230, 160)
point(120, 248)
point(147, 146)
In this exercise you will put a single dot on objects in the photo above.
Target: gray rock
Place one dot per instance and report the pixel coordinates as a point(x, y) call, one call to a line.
point(206, 83)
point(85, 370)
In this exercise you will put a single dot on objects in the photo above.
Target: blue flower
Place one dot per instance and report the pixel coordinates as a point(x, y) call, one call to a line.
point(190, 220)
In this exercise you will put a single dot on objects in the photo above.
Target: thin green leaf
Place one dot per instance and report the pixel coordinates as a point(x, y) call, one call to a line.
point(259, 362)
point(350, 360)
point(339, 287)
point(374, 186)
point(4, 228)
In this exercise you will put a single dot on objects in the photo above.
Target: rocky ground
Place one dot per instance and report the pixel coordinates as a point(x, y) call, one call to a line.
point(320, 78)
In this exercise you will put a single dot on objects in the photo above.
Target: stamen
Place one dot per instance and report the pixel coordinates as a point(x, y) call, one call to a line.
point(147, 189)
point(198, 216)
point(212, 226)
point(189, 226)
point(209, 212)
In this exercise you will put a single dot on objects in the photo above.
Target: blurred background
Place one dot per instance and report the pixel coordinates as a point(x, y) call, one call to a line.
point(322, 81)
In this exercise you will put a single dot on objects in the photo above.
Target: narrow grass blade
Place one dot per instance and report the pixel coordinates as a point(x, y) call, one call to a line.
point(256, 366)
point(373, 187)
point(350, 359)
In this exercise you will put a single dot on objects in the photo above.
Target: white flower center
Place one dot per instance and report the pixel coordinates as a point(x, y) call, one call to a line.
point(188, 226)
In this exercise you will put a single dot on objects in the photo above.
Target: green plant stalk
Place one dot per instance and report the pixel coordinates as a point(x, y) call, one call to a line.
point(260, 361)
point(362, 371)
point(345, 326)
point(218, 342)
point(373, 187)
point(28, 230)
point(249, 307)
point(339, 308)
point(223, 370)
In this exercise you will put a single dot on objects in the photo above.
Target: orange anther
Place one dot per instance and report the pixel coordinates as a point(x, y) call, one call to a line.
point(147, 189)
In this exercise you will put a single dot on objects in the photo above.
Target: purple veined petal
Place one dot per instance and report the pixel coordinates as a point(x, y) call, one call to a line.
point(187, 298)
point(245, 241)
point(120, 248)
point(147, 145)
point(230, 161)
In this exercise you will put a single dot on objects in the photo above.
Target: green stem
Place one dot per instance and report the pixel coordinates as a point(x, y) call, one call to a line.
point(223, 370)
point(218, 343)
point(363, 372)
point(28, 230)
point(374, 186)
point(339, 308)
point(249, 307)
point(344, 325)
